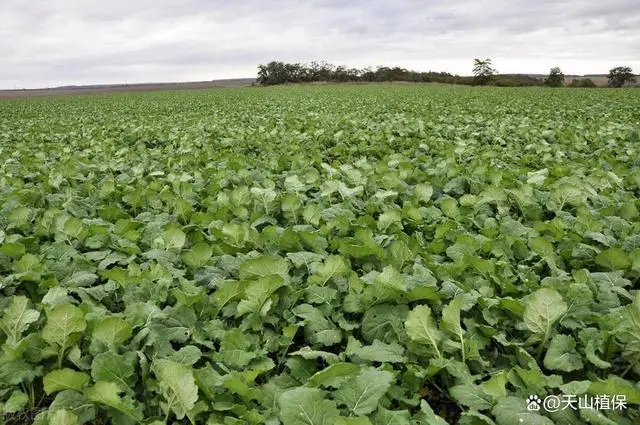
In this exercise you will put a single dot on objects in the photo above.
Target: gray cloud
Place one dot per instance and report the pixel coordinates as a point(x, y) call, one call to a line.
point(49, 43)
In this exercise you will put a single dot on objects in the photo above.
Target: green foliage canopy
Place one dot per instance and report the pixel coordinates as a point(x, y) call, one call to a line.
point(338, 254)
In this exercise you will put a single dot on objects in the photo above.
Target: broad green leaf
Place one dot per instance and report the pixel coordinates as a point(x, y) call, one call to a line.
point(75, 402)
point(575, 387)
point(388, 219)
point(421, 328)
point(309, 354)
point(304, 258)
point(542, 247)
point(537, 177)
point(63, 320)
point(235, 350)
point(473, 417)
point(63, 417)
point(208, 380)
point(230, 290)
point(567, 416)
point(333, 375)
point(615, 385)
point(613, 259)
point(387, 286)
point(471, 396)
point(401, 255)
point(174, 238)
point(17, 318)
point(112, 331)
point(333, 266)
point(292, 183)
point(109, 366)
point(376, 352)
point(427, 415)
point(595, 417)
point(64, 379)
point(317, 328)
point(198, 256)
point(423, 191)
point(312, 214)
point(320, 294)
point(565, 195)
point(306, 406)
point(496, 385)
point(258, 294)
point(73, 226)
point(14, 373)
point(178, 386)
point(451, 320)
point(16, 402)
point(264, 266)
point(629, 332)
point(449, 207)
point(361, 420)
point(543, 309)
point(513, 410)
point(562, 354)
point(361, 393)
point(391, 417)
point(187, 355)
point(29, 267)
point(81, 279)
point(108, 394)
point(13, 250)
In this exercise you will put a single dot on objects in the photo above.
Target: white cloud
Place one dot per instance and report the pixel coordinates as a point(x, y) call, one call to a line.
point(62, 42)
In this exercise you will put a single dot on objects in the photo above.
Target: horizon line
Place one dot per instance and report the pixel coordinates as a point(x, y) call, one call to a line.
point(125, 84)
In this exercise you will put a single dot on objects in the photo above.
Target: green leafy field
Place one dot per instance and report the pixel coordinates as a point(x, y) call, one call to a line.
point(320, 255)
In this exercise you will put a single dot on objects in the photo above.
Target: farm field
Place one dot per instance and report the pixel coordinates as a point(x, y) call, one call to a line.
point(320, 255)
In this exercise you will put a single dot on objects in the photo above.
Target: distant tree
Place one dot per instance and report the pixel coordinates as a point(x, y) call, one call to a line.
point(555, 78)
point(582, 82)
point(516, 80)
point(354, 74)
point(263, 74)
point(383, 73)
point(341, 74)
point(294, 72)
point(587, 82)
point(367, 74)
point(621, 75)
point(273, 73)
point(313, 71)
point(283, 73)
point(326, 72)
point(482, 71)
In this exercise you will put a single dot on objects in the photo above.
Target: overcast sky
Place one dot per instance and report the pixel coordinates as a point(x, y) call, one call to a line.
point(45, 43)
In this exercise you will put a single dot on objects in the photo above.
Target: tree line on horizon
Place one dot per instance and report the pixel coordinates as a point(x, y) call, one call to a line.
point(275, 73)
